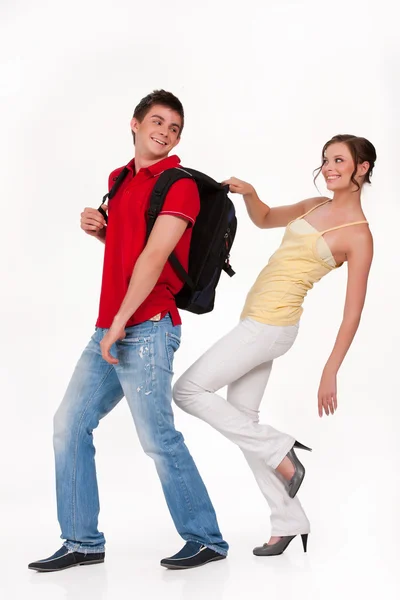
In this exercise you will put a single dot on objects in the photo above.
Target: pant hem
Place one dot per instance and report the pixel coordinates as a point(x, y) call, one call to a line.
point(78, 547)
point(211, 546)
point(278, 456)
point(285, 534)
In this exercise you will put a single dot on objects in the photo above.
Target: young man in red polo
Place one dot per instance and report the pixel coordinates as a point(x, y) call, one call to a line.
point(131, 353)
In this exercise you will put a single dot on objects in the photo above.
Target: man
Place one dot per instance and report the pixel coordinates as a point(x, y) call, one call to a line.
point(131, 352)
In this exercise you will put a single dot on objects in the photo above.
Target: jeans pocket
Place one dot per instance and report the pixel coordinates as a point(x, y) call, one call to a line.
point(172, 343)
point(286, 339)
point(134, 339)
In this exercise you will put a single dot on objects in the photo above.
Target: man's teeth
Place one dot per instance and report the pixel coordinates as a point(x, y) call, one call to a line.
point(159, 142)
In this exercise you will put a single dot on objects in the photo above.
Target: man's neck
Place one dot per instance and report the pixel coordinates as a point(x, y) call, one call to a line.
point(141, 162)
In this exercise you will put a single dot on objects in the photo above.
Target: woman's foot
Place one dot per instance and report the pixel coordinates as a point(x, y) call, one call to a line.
point(292, 470)
point(277, 545)
point(274, 540)
point(286, 468)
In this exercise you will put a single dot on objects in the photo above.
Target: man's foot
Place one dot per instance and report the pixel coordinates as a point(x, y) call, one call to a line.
point(64, 559)
point(193, 554)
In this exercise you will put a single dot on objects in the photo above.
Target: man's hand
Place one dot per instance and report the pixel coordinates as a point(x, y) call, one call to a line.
point(237, 186)
point(115, 333)
point(93, 223)
point(327, 398)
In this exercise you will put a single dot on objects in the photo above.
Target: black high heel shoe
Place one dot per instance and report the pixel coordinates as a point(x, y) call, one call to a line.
point(293, 485)
point(279, 547)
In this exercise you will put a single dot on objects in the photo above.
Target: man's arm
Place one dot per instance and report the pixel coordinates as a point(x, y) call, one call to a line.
point(164, 237)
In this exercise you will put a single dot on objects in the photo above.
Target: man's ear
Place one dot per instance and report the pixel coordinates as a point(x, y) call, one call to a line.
point(134, 125)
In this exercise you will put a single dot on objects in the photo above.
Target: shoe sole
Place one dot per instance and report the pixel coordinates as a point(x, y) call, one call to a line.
point(265, 555)
point(181, 567)
point(83, 564)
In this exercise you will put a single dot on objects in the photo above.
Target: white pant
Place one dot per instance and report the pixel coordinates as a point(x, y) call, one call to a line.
point(243, 360)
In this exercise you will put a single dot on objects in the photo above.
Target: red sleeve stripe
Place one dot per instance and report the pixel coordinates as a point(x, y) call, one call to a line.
point(179, 214)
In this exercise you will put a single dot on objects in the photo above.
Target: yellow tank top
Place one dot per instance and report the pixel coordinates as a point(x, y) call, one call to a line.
point(302, 259)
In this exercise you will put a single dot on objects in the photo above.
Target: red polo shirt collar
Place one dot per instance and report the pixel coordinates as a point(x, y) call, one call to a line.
point(153, 170)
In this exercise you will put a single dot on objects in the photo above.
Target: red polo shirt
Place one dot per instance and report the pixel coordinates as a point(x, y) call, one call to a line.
point(126, 239)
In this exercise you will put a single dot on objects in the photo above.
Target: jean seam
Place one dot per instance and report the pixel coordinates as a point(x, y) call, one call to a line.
point(185, 490)
point(160, 428)
point(170, 361)
point(73, 500)
point(173, 455)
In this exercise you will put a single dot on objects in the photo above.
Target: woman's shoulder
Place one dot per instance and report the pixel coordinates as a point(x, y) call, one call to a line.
point(360, 238)
point(310, 203)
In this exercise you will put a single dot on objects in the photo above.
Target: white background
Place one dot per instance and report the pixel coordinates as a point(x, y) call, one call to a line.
point(264, 85)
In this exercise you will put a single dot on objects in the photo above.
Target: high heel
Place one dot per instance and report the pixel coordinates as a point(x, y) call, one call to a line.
point(279, 547)
point(301, 446)
point(293, 485)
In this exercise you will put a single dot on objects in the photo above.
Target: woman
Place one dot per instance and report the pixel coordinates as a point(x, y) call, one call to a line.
point(320, 235)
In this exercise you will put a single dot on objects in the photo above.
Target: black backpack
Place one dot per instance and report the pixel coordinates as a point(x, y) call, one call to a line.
point(212, 237)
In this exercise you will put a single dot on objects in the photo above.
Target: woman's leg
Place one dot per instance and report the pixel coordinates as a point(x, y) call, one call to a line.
point(287, 514)
point(247, 346)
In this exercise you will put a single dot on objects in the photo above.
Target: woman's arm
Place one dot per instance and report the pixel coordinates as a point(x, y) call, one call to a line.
point(263, 215)
point(359, 258)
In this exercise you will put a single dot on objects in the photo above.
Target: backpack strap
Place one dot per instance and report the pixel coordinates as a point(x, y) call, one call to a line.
point(112, 192)
point(165, 180)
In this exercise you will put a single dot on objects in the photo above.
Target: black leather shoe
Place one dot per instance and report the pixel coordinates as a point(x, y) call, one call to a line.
point(65, 559)
point(192, 555)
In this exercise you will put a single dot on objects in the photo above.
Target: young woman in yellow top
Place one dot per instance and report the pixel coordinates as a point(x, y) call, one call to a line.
point(321, 234)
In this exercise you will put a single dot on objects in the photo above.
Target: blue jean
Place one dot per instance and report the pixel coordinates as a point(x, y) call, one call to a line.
point(143, 375)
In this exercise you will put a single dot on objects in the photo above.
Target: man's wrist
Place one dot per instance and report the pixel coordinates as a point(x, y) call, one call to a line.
point(119, 321)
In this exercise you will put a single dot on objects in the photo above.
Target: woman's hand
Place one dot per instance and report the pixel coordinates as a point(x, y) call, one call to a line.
point(237, 186)
point(327, 399)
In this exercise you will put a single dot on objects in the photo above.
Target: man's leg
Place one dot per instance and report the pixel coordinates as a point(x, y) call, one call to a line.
point(93, 392)
point(145, 372)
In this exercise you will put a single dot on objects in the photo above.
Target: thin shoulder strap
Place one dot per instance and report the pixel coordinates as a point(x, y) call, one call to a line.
point(345, 225)
point(308, 212)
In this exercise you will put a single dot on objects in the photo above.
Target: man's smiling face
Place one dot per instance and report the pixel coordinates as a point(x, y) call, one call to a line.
point(158, 133)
